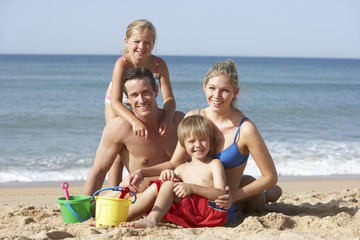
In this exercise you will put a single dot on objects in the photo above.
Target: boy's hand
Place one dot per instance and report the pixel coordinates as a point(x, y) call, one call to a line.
point(182, 189)
point(169, 175)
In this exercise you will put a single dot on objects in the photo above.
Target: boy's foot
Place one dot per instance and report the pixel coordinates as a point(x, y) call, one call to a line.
point(141, 223)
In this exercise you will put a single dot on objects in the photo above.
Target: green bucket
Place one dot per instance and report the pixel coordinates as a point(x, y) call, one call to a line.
point(77, 209)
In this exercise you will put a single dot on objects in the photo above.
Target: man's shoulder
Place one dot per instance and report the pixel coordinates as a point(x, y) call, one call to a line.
point(117, 124)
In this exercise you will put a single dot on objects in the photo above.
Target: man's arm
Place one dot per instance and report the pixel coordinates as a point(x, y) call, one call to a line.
point(109, 147)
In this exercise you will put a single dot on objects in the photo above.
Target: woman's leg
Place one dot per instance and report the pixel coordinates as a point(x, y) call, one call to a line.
point(259, 202)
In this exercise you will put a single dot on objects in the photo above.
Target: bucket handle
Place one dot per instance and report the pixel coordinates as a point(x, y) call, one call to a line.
point(116, 188)
point(76, 215)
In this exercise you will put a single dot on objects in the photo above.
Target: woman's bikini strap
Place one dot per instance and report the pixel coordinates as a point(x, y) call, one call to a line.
point(238, 130)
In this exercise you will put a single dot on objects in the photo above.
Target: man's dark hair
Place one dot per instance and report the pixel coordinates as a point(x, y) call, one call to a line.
point(138, 73)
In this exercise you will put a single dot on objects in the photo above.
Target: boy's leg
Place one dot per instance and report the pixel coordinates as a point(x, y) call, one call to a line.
point(143, 203)
point(162, 205)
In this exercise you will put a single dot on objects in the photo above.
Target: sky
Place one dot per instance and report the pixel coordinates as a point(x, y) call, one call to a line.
point(259, 28)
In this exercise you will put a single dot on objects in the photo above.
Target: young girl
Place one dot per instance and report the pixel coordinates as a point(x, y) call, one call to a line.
point(189, 203)
point(139, 41)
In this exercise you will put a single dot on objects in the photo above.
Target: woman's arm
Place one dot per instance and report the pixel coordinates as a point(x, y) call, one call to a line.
point(263, 160)
point(117, 106)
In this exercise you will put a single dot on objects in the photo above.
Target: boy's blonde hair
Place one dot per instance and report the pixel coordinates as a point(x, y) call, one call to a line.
point(227, 68)
point(140, 25)
point(199, 126)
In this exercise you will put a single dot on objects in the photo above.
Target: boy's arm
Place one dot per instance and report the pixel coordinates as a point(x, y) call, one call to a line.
point(219, 179)
point(206, 192)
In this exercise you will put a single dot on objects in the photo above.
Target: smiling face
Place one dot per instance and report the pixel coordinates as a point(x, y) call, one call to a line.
point(141, 96)
point(196, 146)
point(140, 44)
point(220, 92)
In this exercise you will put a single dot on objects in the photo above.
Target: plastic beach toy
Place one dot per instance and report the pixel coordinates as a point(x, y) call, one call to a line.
point(112, 211)
point(65, 186)
point(124, 191)
point(74, 208)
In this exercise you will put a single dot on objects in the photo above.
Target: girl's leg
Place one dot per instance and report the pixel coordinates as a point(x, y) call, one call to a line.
point(109, 113)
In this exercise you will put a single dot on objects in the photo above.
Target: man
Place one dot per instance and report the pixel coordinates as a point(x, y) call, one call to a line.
point(118, 137)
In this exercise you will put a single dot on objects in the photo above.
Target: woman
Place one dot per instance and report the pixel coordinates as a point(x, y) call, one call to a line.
point(236, 138)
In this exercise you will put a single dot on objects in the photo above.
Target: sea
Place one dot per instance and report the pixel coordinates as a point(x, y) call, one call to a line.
point(52, 112)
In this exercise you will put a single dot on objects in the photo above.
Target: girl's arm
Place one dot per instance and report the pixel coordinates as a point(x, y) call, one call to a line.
point(167, 126)
point(117, 106)
point(263, 160)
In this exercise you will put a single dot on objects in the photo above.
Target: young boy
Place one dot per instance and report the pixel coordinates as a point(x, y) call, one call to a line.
point(188, 203)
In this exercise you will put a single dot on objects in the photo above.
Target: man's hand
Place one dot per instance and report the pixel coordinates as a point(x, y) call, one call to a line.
point(131, 180)
point(225, 201)
point(169, 175)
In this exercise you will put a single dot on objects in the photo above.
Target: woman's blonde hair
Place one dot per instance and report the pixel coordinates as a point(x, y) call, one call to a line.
point(199, 126)
point(140, 25)
point(227, 68)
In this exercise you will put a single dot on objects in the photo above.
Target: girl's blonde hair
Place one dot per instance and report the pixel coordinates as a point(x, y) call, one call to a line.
point(199, 126)
point(227, 68)
point(140, 25)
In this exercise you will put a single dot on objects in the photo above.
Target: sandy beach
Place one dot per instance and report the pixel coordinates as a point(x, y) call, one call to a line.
point(308, 209)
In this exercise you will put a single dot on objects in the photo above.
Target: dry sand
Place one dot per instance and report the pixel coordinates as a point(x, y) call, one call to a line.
point(310, 209)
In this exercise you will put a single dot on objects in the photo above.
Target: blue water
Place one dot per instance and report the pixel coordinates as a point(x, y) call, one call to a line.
point(52, 111)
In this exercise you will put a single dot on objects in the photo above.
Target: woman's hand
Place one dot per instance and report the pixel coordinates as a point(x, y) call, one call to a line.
point(225, 201)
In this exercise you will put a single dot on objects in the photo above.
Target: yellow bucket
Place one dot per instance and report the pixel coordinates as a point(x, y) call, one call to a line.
point(111, 211)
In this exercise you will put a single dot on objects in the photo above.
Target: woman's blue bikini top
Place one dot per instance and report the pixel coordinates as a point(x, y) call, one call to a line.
point(231, 157)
